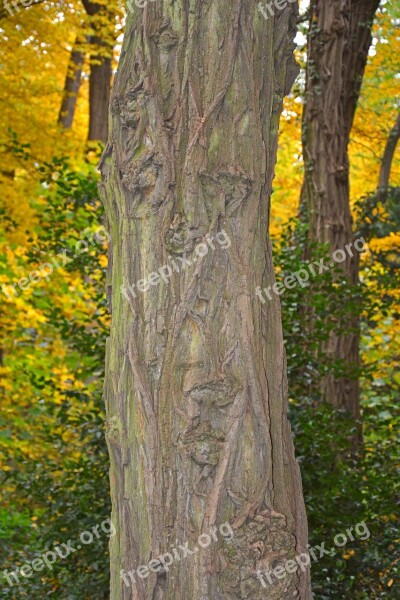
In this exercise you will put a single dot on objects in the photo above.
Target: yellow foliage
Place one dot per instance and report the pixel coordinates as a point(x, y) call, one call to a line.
point(390, 242)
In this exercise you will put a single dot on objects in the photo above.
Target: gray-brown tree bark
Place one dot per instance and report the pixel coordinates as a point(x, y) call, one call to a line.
point(195, 389)
point(339, 41)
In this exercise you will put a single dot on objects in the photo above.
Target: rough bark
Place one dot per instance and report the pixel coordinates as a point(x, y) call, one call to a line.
point(195, 384)
point(339, 41)
point(387, 160)
point(72, 85)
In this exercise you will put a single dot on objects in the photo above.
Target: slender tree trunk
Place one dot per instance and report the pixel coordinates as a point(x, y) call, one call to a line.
point(387, 160)
point(100, 70)
point(339, 40)
point(195, 385)
point(72, 85)
point(99, 97)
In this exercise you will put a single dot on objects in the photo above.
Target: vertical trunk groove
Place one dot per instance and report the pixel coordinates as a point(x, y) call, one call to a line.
point(195, 390)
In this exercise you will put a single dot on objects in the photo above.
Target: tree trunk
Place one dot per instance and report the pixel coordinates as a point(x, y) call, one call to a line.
point(339, 40)
point(195, 384)
point(387, 160)
point(99, 97)
point(72, 85)
point(100, 70)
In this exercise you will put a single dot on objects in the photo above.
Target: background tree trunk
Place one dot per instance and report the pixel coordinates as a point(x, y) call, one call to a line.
point(196, 377)
point(339, 41)
point(72, 85)
point(387, 160)
point(99, 97)
point(102, 42)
